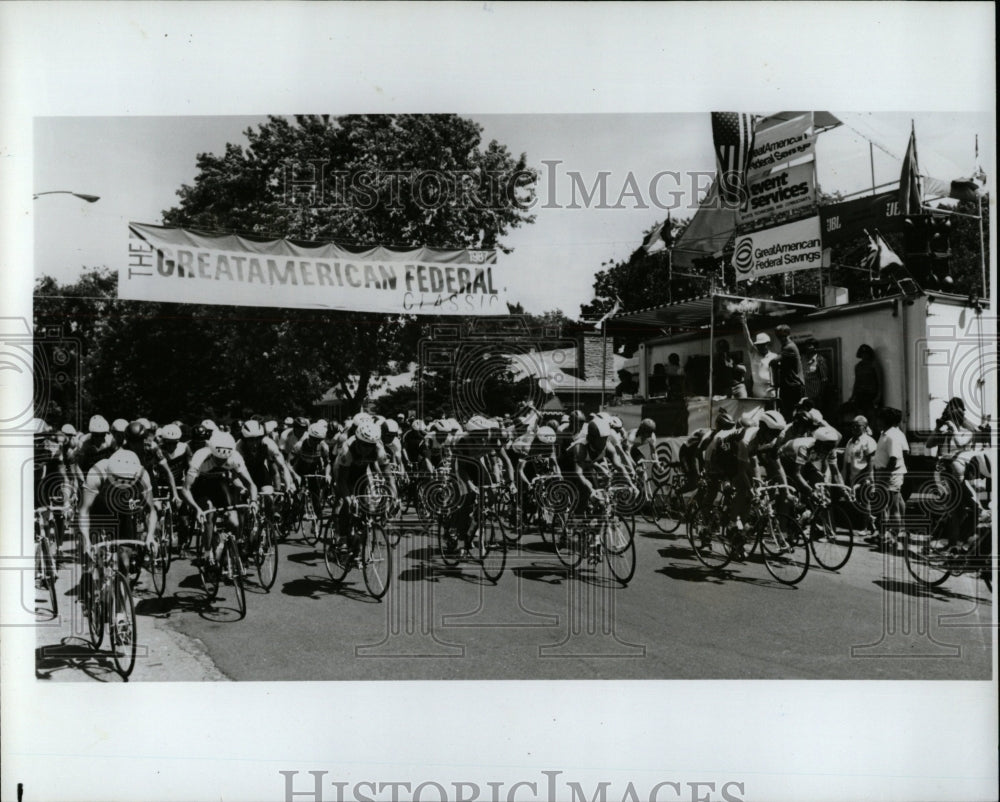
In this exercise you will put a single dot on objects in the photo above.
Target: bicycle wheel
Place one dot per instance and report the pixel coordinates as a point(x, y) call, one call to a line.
point(785, 549)
point(618, 541)
point(832, 539)
point(711, 545)
point(490, 548)
point(447, 544)
point(232, 573)
point(928, 565)
point(122, 632)
point(336, 555)
point(308, 524)
point(570, 541)
point(266, 554)
point(45, 572)
point(665, 509)
point(158, 558)
point(508, 516)
point(377, 561)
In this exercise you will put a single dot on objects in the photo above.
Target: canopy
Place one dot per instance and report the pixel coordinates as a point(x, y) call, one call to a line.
point(695, 313)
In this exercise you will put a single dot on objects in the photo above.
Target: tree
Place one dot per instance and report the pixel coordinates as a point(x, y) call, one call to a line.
point(396, 180)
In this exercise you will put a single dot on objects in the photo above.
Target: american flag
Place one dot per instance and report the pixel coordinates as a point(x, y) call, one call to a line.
point(732, 133)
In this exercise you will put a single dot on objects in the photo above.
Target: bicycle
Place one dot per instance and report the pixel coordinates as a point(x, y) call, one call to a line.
point(717, 541)
point(108, 602)
point(488, 542)
point(663, 505)
point(304, 509)
point(932, 559)
point(829, 527)
point(45, 556)
point(602, 533)
point(158, 559)
point(369, 547)
point(259, 538)
point(228, 566)
point(547, 497)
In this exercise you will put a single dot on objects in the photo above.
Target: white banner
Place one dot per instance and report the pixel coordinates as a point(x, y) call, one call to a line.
point(782, 249)
point(782, 143)
point(781, 193)
point(180, 266)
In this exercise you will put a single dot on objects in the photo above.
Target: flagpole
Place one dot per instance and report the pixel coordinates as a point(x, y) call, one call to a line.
point(711, 350)
point(604, 356)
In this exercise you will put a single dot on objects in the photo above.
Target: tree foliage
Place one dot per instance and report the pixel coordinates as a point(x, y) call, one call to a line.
point(396, 180)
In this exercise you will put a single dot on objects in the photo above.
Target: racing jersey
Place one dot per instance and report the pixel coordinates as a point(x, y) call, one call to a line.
point(204, 463)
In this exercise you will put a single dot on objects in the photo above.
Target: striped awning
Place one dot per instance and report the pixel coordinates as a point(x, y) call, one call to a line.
point(695, 313)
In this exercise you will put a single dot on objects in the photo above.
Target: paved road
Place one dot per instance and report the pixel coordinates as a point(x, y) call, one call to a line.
point(674, 621)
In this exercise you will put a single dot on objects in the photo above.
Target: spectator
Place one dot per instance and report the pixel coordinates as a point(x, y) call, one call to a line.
point(857, 468)
point(675, 377)
point(952, 432)
point(791, 386)
point(722, 369)
point(627, 385)
point(738, 384)
point(762, 363)
point(889, 462)
point(658, 381)
point(816, 373)
point(867, 392)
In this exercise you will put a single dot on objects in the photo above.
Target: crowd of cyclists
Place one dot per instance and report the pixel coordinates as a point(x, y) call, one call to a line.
point(127, 476)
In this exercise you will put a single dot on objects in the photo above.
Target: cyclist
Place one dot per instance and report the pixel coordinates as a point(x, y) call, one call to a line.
point(291, 436)
point(310, 457)
point(811, 459)
point(692, 450)
point(139, 440)
point(755, 449)
point(211, 480)
point(587, 456)
point(642, 441)
point(470, 448)
point(97, 445)
point(361, 457)
point(117, 489)
point(263, 458)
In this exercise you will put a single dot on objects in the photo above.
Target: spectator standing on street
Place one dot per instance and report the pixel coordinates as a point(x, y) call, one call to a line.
point(889, 462)
point(857, 466)
point(791, 385)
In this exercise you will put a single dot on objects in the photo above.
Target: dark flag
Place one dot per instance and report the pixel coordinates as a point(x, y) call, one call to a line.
point(732, 133)
point(911, 190)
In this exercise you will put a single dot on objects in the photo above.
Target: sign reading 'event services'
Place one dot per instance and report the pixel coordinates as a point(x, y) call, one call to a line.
point(787, 192)
point(180, 266)
point(782, 249)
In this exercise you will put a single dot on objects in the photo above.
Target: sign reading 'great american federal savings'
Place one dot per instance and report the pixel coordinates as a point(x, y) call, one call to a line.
point(782, 249)
point(180, 266)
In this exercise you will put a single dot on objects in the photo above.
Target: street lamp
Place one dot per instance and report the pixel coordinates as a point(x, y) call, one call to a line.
point(81, 196)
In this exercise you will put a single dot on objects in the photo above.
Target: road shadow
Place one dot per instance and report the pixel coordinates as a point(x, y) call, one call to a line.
point(77, 654)
point(545, 573)
point(919, 590)
point(308, 558)
point(656, 534)
point(699, 573)
point(318, 587)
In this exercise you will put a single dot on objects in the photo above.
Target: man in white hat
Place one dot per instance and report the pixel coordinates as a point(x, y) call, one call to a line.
point(763, 364)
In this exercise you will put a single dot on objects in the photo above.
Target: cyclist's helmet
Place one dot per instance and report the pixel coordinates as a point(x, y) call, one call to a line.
point(147, 423)
point(390, 429)
point(288, 421)
point(616, 423)
point(252, 429)
point(301, 422)
point(209, 424)
point(200, 433)
point(647, 426)
point(598, 432)
point(579, 416)
point(439, 425)
point(773, 420)
point(222, 444)
point(171, 433)
point(724, 420)
point(418, 426)
point(361, 417)
point(135, 432)
point(124, 466)
point(826, 435)
point(38, 426)
point(98, 425)
point(334, 428)
point(747, 420)
point(270, 427)
point(317, 431)
point(368, 432)
point(546, 435)
point(119, 425)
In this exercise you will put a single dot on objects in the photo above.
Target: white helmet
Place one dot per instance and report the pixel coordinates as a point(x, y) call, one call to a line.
point(222, 444)
point(369, 432)
point(171, 432)
point(98, 425)
point(546, 435)
point(479, 423)
point(124, 465)
point(773, 420)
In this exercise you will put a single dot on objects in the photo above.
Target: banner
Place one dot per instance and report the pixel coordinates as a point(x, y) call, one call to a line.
point(783, 193)
point(180, 266)
point(782, 249)
point(782, 143)
point(842, 222)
